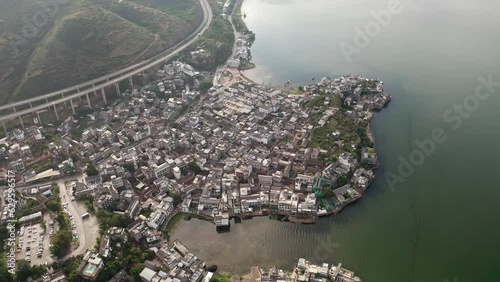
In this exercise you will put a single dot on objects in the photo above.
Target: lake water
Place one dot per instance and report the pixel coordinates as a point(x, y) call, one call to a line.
point(443, 221)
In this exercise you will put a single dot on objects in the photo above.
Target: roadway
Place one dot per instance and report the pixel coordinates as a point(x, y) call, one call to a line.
point(123, 74)
point(235, 32)
point(88, 229)
point(220, 69)
point(21, 187)
point(68, 89)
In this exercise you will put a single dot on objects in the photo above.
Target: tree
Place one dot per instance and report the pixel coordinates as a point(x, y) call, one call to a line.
point(147, 255)
point(73, 277)
point(37, 271)
point(70, 267)
point(108, 220)
point(130, 167)
point(212, 268)
point(61, 220)
point(74, 157)
point(4, 234)
point(135, 271)
point(194, 167)
point(23, 271)
point(55, 190)
point(221, 278)
point(109, 270)
point(205, 86)
point(327, 193)
point(26, 208)
point(61, 243)
point(177, 198)
point(91, 169)
point(342, 181)
point(53, 205)
point(4, 273)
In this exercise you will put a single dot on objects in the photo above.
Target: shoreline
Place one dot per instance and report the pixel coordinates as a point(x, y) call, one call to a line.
point(357, 171)
point(357, 178)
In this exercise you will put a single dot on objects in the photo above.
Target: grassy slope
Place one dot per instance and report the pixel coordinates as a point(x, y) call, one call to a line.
point(88, 38)
point(82, 45)
point(40, 52)
point(157, 16)
point(17, 40)
point(184, 9)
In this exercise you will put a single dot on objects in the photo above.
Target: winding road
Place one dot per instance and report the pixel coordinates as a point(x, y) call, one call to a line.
point(107, 80)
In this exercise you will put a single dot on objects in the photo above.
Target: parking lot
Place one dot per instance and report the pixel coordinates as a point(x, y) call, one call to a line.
point(34, 243)
point(72, 221)
point(85, 229)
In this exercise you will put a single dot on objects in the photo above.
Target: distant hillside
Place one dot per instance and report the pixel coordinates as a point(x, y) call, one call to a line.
point(83, 39)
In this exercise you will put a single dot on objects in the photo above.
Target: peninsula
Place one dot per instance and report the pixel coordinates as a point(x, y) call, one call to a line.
point(179, 140)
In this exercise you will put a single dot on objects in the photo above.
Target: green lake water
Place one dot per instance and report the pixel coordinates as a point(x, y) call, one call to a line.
point(443, 221)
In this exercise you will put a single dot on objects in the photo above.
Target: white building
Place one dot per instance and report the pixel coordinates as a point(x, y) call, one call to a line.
point(162, 170)
point(177, 172)
point(18, 134)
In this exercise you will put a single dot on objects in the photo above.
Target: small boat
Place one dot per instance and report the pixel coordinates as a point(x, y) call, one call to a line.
point(288, 82)
point(313, 78)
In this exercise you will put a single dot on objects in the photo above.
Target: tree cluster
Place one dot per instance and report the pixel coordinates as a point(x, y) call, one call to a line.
point(53, 205)
point(205, 86)
point(91, 169)
point(61, 243)
point(109, 219)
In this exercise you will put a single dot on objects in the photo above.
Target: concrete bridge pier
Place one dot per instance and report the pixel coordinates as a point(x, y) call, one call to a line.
point(103, 96)
point(88, 100)
point(4, 128)
point(38, 116)
point(72, 106)
point(47, 100)
point(55, 111)
point(131, 82)
point(117, 86)
point(21, 120)
point(65, 106)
